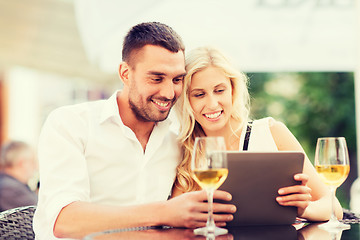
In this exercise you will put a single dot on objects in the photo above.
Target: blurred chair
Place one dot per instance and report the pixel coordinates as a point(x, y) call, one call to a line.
point(350, 216)
point(16, 223)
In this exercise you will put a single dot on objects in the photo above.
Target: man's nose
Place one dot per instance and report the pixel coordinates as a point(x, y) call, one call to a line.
point(167, 90)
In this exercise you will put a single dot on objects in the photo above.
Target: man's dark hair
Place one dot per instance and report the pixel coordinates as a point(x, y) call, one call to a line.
point(151, 33)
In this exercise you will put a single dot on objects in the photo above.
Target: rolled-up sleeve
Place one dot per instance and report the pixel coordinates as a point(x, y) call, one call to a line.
point(63, 169)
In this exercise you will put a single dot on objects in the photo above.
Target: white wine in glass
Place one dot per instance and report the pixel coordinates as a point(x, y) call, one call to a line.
point(332, 164)
point(209, 167)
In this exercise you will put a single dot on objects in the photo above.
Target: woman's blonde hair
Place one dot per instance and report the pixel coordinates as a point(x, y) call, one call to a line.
point(196, 61)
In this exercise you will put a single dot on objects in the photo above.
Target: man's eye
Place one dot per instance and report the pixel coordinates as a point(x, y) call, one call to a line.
point(178, 80)
point(157, 79)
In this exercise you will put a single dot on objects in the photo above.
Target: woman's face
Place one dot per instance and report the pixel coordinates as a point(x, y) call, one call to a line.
point(210, 97)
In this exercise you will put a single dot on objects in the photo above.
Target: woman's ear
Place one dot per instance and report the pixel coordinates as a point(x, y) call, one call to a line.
point(124, 70)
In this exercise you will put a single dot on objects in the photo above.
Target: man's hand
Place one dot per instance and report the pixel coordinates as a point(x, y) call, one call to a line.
point(190, 209)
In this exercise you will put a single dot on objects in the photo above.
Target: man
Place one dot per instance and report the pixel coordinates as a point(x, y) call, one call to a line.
point(111, 163)
point(17, 166)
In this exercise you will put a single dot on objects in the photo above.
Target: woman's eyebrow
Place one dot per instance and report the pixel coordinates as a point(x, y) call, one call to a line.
point(220, 85)
point(196, 90)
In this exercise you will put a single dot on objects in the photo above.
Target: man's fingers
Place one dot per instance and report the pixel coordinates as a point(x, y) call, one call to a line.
point(225, 237)
point(199, 195)
point(223, 217)
point(220, 224)
point(222, 195)
point(224, 208)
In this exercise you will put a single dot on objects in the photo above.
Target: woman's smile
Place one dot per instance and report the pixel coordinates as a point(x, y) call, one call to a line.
point(214, 116)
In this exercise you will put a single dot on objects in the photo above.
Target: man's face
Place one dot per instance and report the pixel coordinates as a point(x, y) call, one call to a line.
point(155, 82)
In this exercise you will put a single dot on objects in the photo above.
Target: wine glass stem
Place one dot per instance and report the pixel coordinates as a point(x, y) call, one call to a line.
point(210, 224)
point(333, 196)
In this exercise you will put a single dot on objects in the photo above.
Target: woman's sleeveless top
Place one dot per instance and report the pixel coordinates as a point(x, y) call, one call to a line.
point(261, 139)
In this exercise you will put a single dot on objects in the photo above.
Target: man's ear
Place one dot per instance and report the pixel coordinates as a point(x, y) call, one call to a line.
point(124, 71)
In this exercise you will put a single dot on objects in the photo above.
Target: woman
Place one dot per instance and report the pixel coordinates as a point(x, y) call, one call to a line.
point(215, 102)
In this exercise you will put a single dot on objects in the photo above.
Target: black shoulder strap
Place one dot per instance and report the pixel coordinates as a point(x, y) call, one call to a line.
point(247, 136)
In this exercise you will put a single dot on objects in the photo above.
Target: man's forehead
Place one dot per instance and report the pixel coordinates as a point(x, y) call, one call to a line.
point(152, 52)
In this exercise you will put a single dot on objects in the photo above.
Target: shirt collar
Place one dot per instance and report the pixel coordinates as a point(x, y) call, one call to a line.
point(110, 109)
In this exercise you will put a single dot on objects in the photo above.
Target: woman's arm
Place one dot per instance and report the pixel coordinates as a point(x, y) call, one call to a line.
point(312, 197)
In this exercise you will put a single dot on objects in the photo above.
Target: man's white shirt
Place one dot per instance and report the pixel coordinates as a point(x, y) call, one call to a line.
point(87, 154)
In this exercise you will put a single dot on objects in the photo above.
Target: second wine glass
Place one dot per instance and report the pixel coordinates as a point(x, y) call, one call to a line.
point(209, 167)
point(332, 164)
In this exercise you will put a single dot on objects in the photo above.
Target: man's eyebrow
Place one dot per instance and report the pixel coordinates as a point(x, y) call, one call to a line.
point(163, 74)
point(181, 75)
point(156, 73)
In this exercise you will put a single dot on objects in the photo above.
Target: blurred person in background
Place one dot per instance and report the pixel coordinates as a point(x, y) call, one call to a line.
point(17, 167)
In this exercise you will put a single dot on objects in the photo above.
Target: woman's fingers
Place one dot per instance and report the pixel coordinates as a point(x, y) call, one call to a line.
point(294, 198)
point(298, 196)
point(302, 177)
point(295, 189)
point(294, 193)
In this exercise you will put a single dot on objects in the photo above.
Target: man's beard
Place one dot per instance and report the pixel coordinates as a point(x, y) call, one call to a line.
point(142, 115)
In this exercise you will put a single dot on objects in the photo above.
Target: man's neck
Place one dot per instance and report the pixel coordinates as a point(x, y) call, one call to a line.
point(141, 129)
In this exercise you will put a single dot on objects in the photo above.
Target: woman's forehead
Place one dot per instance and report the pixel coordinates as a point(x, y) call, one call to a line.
point(210, 76)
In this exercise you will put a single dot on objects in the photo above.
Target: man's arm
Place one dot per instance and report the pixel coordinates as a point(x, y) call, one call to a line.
point(78, 219)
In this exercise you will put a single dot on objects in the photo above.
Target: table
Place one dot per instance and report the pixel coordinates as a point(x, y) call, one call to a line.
point(288, 232)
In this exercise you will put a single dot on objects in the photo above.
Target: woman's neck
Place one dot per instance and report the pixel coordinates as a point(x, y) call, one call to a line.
point(231, 134)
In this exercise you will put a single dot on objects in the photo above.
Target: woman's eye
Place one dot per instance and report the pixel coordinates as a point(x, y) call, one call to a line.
point(197, 95)
point(219, 90)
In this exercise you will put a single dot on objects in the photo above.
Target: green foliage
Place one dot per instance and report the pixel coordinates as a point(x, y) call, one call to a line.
point(311, 104)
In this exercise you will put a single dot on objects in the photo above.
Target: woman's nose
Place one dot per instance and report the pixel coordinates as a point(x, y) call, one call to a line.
point(212, 102)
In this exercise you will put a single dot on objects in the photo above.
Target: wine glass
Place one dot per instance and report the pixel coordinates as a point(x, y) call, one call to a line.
point(332, 164)
point(209, 167)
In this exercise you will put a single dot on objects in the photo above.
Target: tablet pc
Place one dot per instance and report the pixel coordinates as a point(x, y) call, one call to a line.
point(254, 180)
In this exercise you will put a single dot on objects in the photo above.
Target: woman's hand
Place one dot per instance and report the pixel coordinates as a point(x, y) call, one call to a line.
point(298, 195)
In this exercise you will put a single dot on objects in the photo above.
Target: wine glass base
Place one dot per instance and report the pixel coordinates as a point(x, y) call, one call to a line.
point(210, 231)
point(333, 225)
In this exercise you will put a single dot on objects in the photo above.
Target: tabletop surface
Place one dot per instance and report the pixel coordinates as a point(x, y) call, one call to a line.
point(288, 232)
